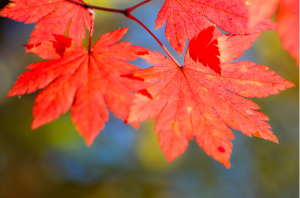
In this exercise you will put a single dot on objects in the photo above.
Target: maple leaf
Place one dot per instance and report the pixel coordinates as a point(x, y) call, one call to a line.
point(84, 81)
point(194, 100)
point(258, 10)
point(287, 21)
point(186, 18)
point(52, 17)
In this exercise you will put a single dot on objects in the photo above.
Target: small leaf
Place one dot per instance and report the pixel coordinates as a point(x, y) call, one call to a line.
point(205, 50)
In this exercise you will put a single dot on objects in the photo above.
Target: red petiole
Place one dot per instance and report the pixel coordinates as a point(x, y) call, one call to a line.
point(127, 13)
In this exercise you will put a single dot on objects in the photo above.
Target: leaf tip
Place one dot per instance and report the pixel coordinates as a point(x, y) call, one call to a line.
point(170, 159)
point(123, 30)
point(227, 165)
point(89, 140)
point(10, 94)
point(35, 124)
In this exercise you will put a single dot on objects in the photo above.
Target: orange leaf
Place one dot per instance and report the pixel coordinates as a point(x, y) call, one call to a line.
point(186, 18)
point(53, 17)
point(259, 10)
point(193, 100)
point(84, 81)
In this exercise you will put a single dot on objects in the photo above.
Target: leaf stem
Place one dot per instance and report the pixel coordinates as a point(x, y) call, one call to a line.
point(127, 13)
point(149, 31)
point(90, 35)
point(138, 5)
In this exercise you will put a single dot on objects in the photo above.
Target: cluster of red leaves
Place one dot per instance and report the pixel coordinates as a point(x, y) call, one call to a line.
point(203, 98)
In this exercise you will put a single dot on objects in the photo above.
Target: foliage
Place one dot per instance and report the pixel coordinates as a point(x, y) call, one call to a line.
point(199, 99)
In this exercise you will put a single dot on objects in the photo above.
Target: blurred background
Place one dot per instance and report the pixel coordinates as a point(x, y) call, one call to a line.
point(53, 161)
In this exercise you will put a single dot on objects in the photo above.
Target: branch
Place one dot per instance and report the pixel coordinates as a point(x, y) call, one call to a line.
point(97, 7)
point(138, 5)
point(160, 43)
point(127, 13)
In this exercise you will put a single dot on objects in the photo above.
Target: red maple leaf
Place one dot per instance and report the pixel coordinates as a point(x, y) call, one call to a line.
point(53, 17)
point(287, 21)
point(84, 81)
point(193, 100)
point(186, 18)
point(258, 10)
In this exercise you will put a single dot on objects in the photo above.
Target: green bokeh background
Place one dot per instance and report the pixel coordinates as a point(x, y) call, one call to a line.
point(53, 160)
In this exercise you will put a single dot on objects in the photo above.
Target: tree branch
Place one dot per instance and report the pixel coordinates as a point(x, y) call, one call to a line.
point(127, 13)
